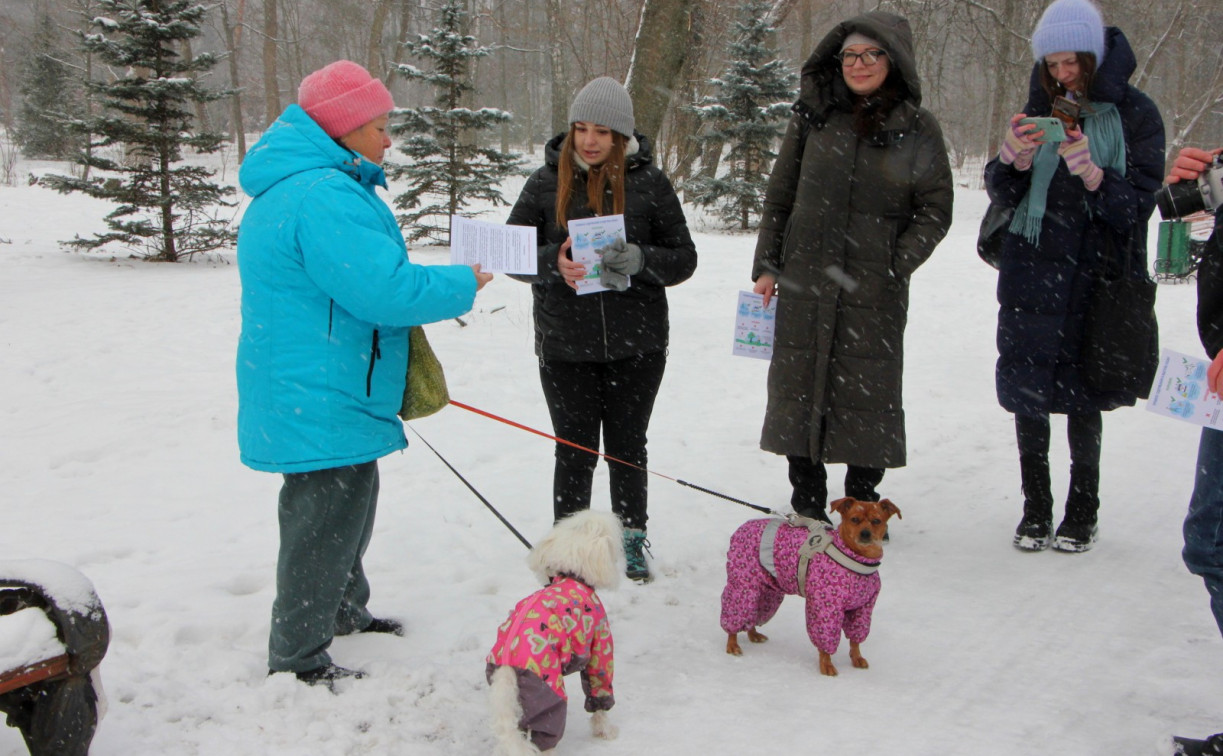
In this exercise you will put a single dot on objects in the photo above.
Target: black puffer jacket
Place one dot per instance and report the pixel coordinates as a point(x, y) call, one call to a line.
point(847, 220)
point(609, 325)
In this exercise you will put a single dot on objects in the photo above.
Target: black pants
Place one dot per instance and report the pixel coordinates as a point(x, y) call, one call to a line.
point(617, 397)
point(810, 481)
point(1083, 431)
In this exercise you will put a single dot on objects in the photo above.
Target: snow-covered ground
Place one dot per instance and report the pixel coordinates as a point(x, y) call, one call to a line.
point(118, 457)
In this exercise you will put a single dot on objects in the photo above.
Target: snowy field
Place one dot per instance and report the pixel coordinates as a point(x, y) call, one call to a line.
point(118, 457)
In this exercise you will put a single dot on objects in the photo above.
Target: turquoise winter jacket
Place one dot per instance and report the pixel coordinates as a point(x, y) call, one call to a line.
point(328, 294)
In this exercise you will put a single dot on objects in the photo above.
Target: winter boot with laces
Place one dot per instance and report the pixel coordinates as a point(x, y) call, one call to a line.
point(1035, 530)
point(635, 548)
point(1078, 530)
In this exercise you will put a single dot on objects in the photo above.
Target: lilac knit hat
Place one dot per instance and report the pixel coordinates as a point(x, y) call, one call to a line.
point(343, 96)
point(1069, 26)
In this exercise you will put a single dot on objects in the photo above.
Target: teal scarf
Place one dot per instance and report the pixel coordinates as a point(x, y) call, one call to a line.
point(1102, 125)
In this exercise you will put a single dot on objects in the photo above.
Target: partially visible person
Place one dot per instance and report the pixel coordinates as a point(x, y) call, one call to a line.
point(328, 294)
point(1203, 553)
point(602, 355)
point(859, 197)
point(1075, 203)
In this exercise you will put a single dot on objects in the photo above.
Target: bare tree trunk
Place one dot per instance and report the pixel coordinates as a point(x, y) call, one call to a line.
point(235, 99)
point(376, 60)
point(503, 54)
point(658, 60)
point(530, 88)
point(271, 83)
point(203, 122)
point(556, 63)
point(683, 125)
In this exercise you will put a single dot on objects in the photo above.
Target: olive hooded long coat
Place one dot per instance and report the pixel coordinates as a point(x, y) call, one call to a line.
point(846, 221)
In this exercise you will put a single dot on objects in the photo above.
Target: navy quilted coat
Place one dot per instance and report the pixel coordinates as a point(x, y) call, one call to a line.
point(1043, 290)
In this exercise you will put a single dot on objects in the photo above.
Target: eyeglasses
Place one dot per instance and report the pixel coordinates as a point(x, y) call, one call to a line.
point(868, 57)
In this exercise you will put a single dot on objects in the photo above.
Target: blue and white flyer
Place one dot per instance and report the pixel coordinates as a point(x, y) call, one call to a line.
point(1180, 391)
point(754, 326)
point(589, 236)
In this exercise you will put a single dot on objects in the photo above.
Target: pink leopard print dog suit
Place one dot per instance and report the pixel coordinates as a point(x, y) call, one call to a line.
point(766, 558)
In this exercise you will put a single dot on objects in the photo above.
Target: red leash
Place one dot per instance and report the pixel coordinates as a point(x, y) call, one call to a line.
point(529, 429)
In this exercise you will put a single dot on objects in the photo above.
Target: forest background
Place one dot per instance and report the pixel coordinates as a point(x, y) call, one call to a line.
point(974, 57)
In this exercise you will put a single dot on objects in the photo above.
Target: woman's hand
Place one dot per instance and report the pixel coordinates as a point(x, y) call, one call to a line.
point(1214, 375)
point(1077, 153)
point(481, 277)
point(766, 286)
point(1019, 143)
point(571, 271)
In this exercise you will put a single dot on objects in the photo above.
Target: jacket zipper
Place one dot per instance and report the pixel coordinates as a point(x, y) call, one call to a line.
point(374, 354)
point(603, 318)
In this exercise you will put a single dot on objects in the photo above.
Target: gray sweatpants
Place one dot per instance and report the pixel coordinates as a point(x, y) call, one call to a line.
point(326, 519)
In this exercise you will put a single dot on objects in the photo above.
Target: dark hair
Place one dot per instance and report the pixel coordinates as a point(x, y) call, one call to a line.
point(610, 171)
point(1087, 74)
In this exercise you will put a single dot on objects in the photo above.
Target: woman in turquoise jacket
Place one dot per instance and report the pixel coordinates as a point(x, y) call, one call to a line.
point(328, 294)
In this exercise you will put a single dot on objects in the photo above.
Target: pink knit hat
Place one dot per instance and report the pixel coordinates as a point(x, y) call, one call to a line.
point(343, 96)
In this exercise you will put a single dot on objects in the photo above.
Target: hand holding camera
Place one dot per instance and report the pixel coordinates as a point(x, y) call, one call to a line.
point(1195, 184)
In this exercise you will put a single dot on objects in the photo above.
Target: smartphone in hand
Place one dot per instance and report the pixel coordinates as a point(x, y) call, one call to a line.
point(1053, 128)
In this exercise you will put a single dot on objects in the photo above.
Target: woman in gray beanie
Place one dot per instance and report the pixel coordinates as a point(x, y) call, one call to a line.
point(602, 355)
point(1077, 204)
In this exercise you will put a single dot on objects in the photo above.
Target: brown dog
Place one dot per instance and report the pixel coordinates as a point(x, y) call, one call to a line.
point(840, 582)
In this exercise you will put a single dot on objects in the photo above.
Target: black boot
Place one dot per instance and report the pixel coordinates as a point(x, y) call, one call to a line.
point(1212, 746)
point(1078, 530)
point(1036, 528)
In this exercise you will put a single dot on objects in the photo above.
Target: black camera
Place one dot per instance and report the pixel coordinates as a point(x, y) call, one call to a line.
point(1183, 198)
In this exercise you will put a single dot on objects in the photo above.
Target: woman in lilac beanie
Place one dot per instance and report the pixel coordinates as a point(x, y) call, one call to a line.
point(1077, 204)
point(328, 295)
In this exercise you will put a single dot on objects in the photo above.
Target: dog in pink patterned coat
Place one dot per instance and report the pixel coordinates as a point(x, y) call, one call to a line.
point(836, 571)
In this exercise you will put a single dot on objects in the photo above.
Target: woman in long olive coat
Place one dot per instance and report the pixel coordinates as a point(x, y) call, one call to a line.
point(859, 197)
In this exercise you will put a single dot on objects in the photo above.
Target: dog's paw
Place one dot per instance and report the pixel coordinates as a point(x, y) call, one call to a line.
point(826, 665)
point(601, 726)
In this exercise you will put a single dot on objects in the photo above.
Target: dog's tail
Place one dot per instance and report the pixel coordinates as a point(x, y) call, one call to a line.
point(507, 712)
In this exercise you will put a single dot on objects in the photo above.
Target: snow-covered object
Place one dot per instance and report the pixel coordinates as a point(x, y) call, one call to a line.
point(26, 637)
point(72, 608)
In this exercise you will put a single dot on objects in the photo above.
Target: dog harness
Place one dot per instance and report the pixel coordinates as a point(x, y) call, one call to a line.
point(819, 541)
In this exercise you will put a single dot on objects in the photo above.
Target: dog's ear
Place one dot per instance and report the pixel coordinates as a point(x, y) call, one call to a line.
point(889, 508)
point(841, 506)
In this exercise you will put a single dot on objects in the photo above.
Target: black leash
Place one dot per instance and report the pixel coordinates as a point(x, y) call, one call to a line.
point(472, 488)
point(609, 458)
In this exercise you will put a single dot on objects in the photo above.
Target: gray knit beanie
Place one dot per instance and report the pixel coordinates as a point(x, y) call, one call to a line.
point(604, 101)
point(1069, 26)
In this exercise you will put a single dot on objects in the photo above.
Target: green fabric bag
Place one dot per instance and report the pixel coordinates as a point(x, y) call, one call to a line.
point(425, 391)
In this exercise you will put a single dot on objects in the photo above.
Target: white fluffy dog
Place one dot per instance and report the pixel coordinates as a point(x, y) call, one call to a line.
point(560, 629)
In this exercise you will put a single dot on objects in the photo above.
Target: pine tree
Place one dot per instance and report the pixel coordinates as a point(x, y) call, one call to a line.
point(448, 168)
point(47, 98)
point(167, 209)
point(747, 115)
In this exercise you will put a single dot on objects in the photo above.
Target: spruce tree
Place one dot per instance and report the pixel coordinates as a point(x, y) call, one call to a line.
point(167, 209)
point(448, 169)
point(746, 114)
point(42, 129)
